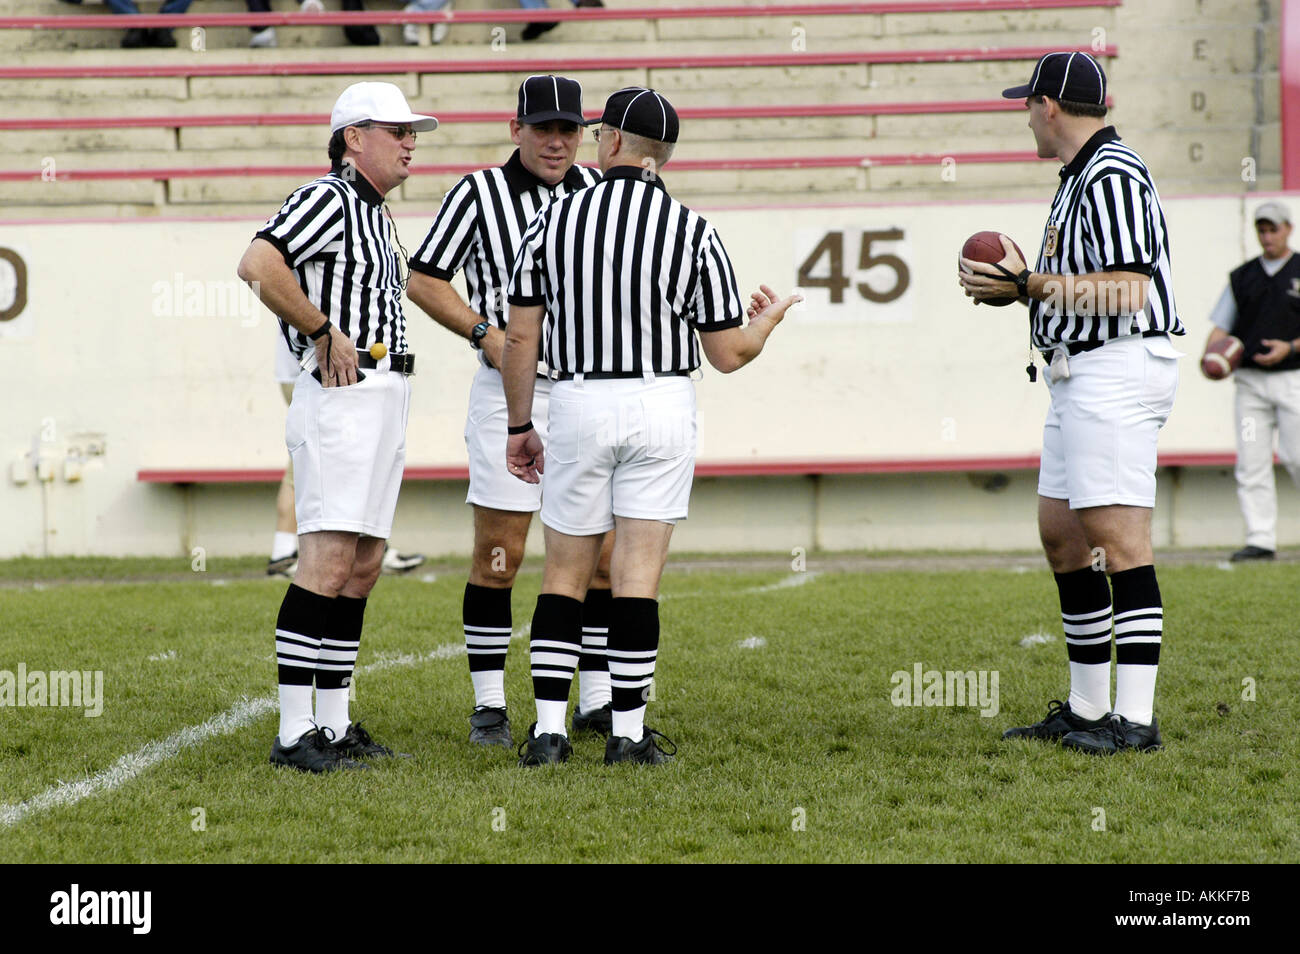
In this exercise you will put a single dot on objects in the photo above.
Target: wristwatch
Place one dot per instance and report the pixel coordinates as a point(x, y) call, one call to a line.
point(477, 333)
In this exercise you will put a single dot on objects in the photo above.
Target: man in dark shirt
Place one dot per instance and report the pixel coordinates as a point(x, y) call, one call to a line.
point(1261, 306)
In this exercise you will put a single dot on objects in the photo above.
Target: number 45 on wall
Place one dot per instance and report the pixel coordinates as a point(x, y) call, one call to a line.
point(832, 247)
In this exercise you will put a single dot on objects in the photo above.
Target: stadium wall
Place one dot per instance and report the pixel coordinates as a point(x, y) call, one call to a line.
point(130, 345)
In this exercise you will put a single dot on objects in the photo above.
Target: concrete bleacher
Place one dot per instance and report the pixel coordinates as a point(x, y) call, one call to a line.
point(1197, 95)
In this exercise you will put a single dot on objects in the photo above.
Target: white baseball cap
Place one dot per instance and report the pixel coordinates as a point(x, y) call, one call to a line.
point(380, 102)
point(1275, 212)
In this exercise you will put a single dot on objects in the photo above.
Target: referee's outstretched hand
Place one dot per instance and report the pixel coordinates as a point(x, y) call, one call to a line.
point(766, 302)
point(525, 457)
point(336, 357)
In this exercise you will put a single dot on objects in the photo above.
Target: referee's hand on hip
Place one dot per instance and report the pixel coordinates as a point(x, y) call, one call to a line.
point(336, 357)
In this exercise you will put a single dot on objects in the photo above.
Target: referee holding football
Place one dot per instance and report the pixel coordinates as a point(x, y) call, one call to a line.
point(327, 265)
point(623, 276)
point(478, 229)
point(1101, 310)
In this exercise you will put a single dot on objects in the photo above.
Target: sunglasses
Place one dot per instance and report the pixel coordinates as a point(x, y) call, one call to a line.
point(399, 132)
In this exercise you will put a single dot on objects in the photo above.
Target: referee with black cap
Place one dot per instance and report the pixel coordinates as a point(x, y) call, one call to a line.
point(616, 279)
point(478, 229)
point(1101, 310)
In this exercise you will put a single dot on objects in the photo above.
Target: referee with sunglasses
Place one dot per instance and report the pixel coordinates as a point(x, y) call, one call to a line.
point(327, 264)
point(620, 277)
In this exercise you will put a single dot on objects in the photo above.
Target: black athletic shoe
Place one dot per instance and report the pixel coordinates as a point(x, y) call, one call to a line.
point(397, 563)
point(357, 744)
point(136, 38)
point(1252, 553)
point(1058, 722)
point(619, 748)
point(1115, 736)
point(314, 752)
point(490, 727)
point(597, 720)
point(285, 566)
point(162, 38)
point(545, 749)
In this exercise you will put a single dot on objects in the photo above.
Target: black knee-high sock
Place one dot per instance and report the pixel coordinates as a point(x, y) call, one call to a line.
point(487, 622)
point(1086, 616)
point(633, 649)
point(554, 646)
point(1139, 628)
point(338, 658)
point(593, 664)
point(303, 621)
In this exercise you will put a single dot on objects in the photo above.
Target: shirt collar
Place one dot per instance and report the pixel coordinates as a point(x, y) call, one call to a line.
point(1089, 149)
point(358, 182)
point(521, 180)
point(634, 172)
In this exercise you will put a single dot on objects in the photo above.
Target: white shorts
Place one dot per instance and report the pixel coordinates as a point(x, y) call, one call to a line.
point(619, 448)
point(348, 447)
point(490, 484)
point(1099, 441)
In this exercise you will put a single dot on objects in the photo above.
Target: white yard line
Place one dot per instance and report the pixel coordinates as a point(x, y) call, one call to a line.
point(794, 579)
point(242, 713)
point(785, 583)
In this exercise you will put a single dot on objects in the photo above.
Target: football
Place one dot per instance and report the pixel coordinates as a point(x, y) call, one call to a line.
point(1222, 358)
point(987, 247)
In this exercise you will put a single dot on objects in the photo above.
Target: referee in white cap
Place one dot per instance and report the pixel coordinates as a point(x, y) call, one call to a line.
point(327, 264)
point(622, 276)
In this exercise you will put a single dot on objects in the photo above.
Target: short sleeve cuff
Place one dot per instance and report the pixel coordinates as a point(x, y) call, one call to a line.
point(424, 268)
point(719, 325)
point(1142, 268)
point(279, 243)
point(525, 301)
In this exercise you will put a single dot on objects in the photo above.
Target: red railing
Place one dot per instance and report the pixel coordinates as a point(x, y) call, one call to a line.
point(64, 174)
point(491, 116)
point(1289, 65)
point(381, 18)
point(557, 65)
point(770, 468)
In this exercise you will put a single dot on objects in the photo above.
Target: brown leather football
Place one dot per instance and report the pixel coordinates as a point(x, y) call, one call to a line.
point(987, 247)
point(1222, 358)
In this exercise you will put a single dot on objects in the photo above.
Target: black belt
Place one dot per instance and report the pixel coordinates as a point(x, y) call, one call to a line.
point(619, 375)
point(1079, 347)
point(402, 363)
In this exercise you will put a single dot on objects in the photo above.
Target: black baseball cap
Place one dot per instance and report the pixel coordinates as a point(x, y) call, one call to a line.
point(1073, 77)
point(641, 111)
point(544, 98)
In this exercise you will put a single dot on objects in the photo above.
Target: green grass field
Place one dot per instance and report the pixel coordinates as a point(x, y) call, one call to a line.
point(790, 750)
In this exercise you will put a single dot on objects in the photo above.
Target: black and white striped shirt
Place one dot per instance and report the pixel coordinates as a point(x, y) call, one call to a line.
point(626, 273)
point(336, 237)
point(1106, 216)
point(480, 225)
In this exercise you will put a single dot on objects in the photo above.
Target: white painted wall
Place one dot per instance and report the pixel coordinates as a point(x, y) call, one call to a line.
point(113, 341)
